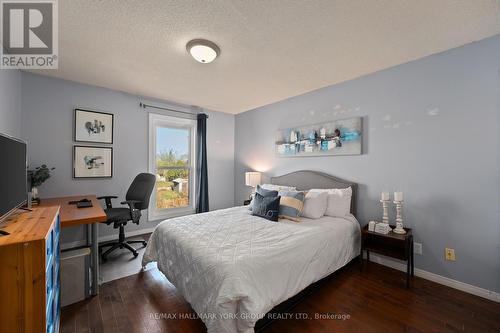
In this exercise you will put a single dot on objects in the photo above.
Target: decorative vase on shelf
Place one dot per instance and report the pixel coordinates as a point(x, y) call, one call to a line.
point(34, 193)
point(37, 177)
point(34, 196)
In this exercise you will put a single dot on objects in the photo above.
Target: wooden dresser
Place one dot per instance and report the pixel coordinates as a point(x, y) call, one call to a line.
point(29, 272)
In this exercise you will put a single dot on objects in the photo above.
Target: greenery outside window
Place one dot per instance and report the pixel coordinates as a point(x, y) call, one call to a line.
point(171, 159)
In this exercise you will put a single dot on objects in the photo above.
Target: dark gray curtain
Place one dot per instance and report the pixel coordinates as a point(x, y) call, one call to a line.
point(201, 165)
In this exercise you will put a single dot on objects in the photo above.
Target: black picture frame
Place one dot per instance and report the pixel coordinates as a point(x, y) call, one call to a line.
point(76, 136)
point(75, 176)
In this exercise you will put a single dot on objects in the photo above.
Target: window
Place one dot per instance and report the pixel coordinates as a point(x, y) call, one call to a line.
point(171, 159)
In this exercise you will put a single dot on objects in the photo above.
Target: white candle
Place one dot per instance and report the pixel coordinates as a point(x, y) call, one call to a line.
point(398, 196)
point(385, 196)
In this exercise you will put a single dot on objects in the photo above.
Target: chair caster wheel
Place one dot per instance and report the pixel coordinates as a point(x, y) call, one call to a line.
point(135, 254)
point(144, 243)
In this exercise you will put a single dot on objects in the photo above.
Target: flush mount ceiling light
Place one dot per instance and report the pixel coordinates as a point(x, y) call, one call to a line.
point(203, 50)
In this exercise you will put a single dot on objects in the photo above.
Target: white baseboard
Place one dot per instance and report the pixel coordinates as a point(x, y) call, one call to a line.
point(468, 288)
point(107, 238)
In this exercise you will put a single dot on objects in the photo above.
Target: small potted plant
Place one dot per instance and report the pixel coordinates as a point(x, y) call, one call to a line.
point(37, 177)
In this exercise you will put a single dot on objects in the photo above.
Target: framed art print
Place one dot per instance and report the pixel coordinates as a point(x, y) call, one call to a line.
point(337, 137)
point(92, 162)
point(93, 126)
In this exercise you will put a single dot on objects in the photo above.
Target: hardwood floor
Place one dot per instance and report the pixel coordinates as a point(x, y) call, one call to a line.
point(374, 300)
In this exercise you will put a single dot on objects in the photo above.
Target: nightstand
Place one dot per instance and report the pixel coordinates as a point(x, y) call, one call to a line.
point(247, 202)
point(391, 245)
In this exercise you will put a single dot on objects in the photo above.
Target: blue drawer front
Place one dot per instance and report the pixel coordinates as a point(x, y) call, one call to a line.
point(57, 278)
point(57, 307)
point(53, 306)
point(57, 252)
point(50, 280)
point(49, 247)
point(57, 226)
point(55, 239)
point(50, 313)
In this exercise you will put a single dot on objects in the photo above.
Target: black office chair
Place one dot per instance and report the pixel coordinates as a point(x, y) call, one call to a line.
point(137, 199)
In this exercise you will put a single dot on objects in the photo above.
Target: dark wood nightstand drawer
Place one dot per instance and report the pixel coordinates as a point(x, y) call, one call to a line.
point(385, 246)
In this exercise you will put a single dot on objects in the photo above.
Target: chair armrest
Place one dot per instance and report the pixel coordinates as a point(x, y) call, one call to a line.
point(107, 199)
point(135, 214)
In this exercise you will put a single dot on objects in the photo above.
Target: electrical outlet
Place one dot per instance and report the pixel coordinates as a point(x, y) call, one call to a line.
point(417, 248)
point(449, 254)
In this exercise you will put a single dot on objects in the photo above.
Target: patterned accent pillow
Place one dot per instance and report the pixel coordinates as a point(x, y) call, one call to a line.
point(291, 205)
point(266, 207)
point(265, 193)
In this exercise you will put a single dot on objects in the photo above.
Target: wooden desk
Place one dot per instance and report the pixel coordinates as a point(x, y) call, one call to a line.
point(72, 216)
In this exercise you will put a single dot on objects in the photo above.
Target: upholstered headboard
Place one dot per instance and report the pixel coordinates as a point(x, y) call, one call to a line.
point(305, 180)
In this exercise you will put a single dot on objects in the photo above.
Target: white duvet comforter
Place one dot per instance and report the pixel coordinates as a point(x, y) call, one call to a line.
point(233, 267)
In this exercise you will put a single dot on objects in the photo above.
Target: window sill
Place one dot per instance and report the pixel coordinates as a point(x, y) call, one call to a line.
point(174, 212)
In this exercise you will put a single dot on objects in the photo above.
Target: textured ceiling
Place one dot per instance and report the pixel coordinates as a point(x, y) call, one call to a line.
point(271, 49)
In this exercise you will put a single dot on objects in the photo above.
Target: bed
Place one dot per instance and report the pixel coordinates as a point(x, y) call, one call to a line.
point(233, 267)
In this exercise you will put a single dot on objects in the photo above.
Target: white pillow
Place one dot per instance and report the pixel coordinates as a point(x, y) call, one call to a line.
point(315, 204)
point(278, 188)
point(339, 201)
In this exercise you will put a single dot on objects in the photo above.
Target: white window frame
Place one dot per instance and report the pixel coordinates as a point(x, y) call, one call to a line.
point(161, 120)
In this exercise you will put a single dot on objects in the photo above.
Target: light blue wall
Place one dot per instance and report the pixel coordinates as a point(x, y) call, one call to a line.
point(431, 130)
point(10, 102)
point(47, 125)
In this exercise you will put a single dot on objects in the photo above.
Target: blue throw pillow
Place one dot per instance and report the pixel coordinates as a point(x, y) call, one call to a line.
point(263, 192)
point(266, 207)
point(266, 193)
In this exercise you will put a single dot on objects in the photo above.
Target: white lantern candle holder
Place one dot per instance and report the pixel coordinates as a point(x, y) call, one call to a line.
point(399, 218)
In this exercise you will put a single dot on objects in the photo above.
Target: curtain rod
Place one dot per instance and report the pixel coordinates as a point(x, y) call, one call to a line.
point(144, 105)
